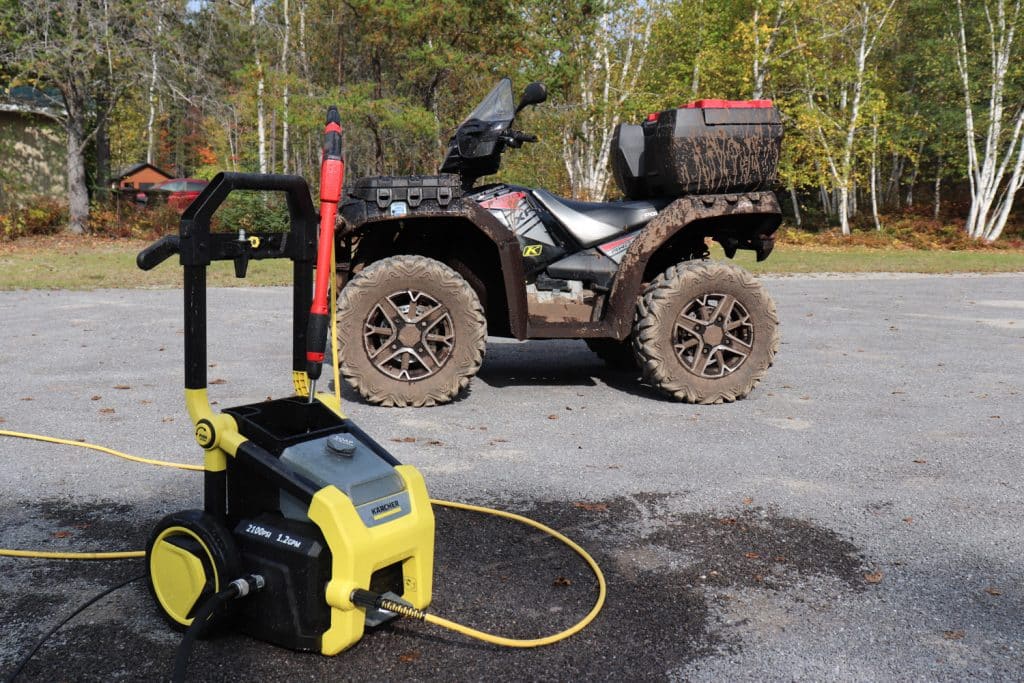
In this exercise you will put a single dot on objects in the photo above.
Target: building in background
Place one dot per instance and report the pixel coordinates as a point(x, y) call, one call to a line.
point(141, 176)
point(33, 147)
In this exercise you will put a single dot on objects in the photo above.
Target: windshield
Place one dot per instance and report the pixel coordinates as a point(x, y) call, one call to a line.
point(499, 105)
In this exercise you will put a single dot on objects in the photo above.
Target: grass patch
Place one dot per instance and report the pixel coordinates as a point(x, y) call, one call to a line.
point(805, 259)
point(68, 262)
point(63, 262)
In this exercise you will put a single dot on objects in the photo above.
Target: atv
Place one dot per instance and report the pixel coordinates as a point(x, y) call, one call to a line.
point(433, 264)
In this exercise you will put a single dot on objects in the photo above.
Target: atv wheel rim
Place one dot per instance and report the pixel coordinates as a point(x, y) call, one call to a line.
point(713, 335)
point(409, 335)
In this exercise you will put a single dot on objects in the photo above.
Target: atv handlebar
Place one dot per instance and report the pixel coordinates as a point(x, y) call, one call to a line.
point(516, 138)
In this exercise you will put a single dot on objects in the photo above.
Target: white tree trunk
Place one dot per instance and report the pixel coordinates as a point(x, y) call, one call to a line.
point(604, 85)
point(992, 193)
point(261, 126)
point(796, 206)
point(284, 96)
point(874, 174)
point(153, 73)
point(938, 193)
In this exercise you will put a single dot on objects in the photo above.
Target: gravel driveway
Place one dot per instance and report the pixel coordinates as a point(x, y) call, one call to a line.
point(858, 517)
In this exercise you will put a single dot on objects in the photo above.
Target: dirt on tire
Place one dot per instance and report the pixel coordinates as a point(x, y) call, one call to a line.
point(411, 332)
point(705, 332)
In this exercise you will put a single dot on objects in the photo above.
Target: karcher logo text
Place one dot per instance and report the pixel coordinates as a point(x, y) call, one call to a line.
point(386, 507)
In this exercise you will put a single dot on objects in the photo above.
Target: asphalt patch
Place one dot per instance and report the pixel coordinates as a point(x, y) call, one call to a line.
point(663, 569)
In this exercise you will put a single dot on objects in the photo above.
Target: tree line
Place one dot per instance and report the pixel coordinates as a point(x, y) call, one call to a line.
point(887, 103)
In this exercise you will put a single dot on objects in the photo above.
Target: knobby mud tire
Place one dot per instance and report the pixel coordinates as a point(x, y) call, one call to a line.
point(659, 331)
point(395, 275)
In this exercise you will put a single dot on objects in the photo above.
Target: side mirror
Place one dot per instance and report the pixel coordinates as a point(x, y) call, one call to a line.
point(535, 93)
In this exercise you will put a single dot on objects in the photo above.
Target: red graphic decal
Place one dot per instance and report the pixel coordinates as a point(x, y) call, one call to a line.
point(506, 202)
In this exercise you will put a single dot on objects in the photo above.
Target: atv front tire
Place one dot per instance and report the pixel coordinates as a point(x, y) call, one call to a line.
point(705, 332)
point(411, 332)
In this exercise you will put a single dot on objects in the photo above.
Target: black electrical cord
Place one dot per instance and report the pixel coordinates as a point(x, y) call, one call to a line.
point(239, 588)
point(17, 671)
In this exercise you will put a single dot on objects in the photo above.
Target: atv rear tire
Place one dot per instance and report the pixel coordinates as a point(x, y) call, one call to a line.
point(411, 332)
point(616, 354)
point(705, 332)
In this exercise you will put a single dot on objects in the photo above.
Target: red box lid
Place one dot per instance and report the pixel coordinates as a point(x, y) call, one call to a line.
point(728, 104)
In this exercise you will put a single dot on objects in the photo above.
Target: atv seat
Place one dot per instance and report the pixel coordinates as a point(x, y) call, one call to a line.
point(592, 223)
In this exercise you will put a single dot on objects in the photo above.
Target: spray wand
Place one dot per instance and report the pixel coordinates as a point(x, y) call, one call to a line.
point(332, 176)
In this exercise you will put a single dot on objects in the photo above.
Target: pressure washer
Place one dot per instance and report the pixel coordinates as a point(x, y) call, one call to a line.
point(319, 528)
point(294, 493)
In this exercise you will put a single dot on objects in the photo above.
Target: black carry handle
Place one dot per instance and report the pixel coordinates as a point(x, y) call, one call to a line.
point(158, 252)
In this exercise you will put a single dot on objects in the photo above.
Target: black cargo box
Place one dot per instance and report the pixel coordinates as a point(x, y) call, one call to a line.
point(396, 196)
point(706, 147)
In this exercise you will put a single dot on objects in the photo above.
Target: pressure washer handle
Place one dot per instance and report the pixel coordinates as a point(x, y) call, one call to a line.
point(158, 252)
point(332, 177)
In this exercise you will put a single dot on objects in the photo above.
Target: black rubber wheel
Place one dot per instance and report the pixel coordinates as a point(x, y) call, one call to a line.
point(705, 332)
point(190, 557)
point(616, 354)
point(411, 332)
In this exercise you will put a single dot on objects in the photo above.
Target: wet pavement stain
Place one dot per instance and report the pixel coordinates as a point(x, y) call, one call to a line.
point(490, 573)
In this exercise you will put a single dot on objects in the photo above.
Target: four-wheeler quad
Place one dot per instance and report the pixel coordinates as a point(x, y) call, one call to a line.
point(436, 263)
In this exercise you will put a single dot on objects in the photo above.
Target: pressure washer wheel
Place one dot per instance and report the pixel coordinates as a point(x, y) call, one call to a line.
point(190, 557)
point(411, 332)
point(705, 332)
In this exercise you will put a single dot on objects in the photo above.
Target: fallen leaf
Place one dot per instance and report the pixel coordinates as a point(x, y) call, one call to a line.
point(612, 467)
point(121, 386)
point(96, 397)
point(435, 442)
point(494, 441)
point(167, 419)
point(405, 439)
point(919, 461)
point(552, 417)
point(751, 556)
point(561, 581)
point(61, 534)
point(898, 392)
point(992, 590)
point(780, 558)
point(908, 520)
point(591, 507)
point(568, 408)
point(748, 501)
point(758, 578)
point(994, 417)
point(874, 577)
point(106, 411)
point(728, 521)
point(213, 365)
point(162, 349)
point(28, 398)
point(409, 657)
point(953, 635)
point(218, 381)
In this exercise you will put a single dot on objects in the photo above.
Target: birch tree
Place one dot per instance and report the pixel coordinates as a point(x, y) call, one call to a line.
point(613, 59)
point(839, 111)
point(993, 167)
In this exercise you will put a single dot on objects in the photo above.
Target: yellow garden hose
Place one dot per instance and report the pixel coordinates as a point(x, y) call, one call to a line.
point(101, 449)
point(429, 618)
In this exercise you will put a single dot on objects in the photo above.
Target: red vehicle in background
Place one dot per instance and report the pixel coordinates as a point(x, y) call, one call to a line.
point(178, 193)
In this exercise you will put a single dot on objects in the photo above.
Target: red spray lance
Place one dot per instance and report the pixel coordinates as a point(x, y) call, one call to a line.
point(332, 176)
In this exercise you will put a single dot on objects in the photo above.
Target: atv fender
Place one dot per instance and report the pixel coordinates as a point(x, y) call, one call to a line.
point(736, 221)
point(470, 213)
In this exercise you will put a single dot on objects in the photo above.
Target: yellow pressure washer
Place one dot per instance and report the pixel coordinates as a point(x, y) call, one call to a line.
point(304, 514)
